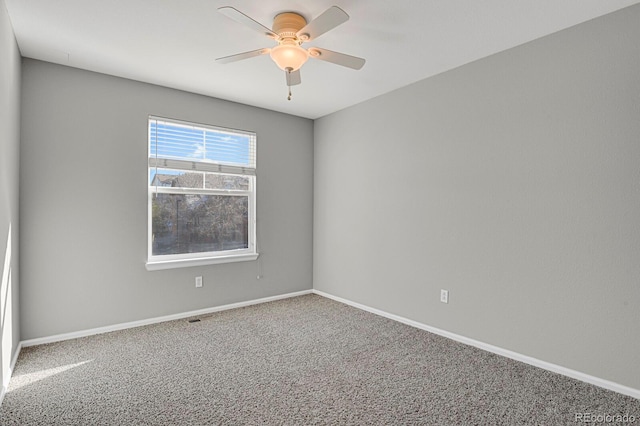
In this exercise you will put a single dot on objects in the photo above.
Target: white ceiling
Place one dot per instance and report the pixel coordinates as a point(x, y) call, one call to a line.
point(174, 43)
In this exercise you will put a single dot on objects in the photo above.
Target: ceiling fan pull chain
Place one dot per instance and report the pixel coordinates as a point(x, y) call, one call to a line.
point(288, 71)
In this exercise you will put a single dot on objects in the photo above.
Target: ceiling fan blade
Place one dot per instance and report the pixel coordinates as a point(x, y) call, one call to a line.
point(241, 56)
point(337, 58)
point(240, 17)
point(293, 78)
point(329, 19)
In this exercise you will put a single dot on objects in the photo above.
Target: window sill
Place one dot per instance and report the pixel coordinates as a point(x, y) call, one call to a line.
point(185, 263)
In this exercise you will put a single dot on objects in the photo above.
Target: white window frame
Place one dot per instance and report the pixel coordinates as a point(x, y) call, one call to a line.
point(171, 261)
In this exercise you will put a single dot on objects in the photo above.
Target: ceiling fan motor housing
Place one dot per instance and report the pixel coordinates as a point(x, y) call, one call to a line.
point(287, 24)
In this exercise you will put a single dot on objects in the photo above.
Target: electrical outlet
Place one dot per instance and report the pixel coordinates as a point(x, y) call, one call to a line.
point(444, 296)
point(198, 281)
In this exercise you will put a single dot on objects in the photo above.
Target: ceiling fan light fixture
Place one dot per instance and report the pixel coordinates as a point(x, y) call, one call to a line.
point(289, 54)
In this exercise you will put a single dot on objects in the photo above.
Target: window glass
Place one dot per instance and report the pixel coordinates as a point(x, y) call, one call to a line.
point(185, 223)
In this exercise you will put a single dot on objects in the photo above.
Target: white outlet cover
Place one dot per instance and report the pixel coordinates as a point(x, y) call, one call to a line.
point(198, 281)
point(444, 296)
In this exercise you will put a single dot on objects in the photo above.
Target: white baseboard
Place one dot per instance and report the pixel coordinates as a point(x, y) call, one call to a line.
point(5, 384)
point(122, 326)
point(13, 361)
point(606, 384)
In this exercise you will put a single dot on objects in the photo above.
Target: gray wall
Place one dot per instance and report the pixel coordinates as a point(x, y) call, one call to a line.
point(513, 182)
point(9, 171)
point(84, 203)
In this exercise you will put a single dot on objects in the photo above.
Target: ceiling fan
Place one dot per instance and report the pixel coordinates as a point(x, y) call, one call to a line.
point(290, 31)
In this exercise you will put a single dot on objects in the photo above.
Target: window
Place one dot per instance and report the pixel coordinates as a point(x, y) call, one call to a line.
point(202, 193)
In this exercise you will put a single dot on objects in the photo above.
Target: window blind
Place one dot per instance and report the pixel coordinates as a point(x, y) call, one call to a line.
point(184, 146)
